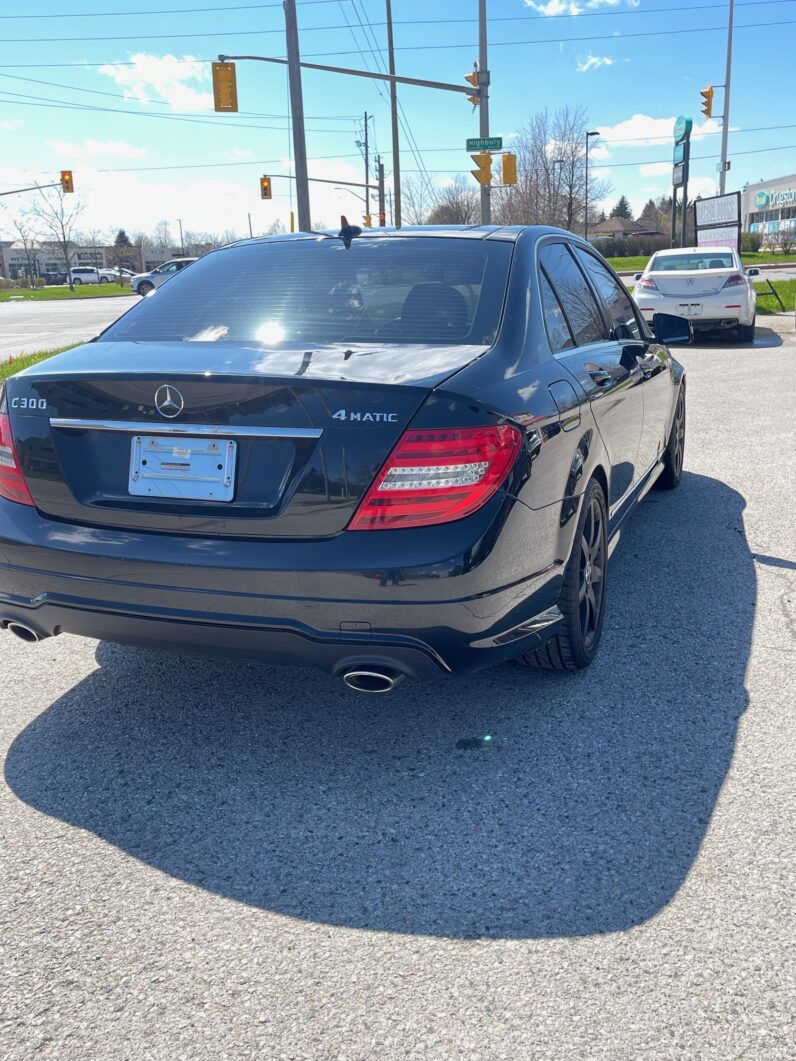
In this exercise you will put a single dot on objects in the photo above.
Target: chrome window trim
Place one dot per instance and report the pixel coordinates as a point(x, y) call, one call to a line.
point(146, 427)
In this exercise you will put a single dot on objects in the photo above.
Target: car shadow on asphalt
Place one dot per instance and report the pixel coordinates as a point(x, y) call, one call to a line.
point(764, 338)
point(511, 804)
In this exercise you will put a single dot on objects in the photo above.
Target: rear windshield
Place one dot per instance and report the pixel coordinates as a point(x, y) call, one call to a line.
point(388, 290)
point(678, 263)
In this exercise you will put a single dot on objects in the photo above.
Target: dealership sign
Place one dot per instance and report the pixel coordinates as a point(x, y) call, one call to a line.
point(718, 220)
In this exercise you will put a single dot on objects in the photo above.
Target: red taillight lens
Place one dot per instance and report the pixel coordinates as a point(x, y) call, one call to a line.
point(735, 280)
point(647, 283)
point(12, 484)
point(438, 476)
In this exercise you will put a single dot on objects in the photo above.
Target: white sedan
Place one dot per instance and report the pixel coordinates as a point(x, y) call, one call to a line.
point(708, 285)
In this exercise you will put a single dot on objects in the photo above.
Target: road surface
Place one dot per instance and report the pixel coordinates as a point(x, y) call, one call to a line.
point(209, 859)
point(27, 327)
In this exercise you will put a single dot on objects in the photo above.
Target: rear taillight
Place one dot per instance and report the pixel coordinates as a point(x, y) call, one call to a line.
point(735, 280)
point(438, 476)
point(12, 483)
point(647, 283)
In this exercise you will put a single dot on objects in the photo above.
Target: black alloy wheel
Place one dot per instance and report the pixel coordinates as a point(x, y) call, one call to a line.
point(582, 600)
point(145, 287)
point(675, 448)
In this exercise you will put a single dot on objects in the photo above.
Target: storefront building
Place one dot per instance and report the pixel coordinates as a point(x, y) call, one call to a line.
point(769, 206)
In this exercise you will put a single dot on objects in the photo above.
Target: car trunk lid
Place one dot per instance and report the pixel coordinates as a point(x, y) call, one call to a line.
point(687, 284)
point(307, 442)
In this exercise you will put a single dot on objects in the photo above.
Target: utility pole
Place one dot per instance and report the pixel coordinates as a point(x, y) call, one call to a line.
point(182, 241)
point(483, 109)
point(297, 114)
point(367, 169)
point(396, 147)
point(586, 193)
point(380, 165)
point(725, 123)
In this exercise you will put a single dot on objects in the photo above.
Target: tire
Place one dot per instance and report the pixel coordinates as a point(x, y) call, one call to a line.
point(582, 600)
point(746, 332)
point(145, 287)
point(675, 447)
point(103, 280)
point(77, 282)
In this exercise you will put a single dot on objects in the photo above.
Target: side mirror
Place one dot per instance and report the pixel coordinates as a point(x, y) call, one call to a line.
point(672, 330)
point(638, 276)
point(753, 272)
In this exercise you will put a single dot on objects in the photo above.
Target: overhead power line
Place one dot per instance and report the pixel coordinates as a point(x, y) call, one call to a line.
point(397, 22)
point(224, 33)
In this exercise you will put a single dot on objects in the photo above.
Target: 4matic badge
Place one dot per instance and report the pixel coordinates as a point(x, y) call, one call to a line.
point(369, 418)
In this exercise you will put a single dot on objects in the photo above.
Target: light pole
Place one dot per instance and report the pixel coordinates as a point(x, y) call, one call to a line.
point(557, 164)
point(586, 209)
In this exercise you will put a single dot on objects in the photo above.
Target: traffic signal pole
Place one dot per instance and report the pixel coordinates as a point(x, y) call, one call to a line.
point(725, 123)
point(297, 113)
point(483, 110)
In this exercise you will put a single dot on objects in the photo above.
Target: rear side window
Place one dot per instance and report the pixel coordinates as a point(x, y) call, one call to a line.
point(313, 291)
point(574, 294)
point(615, 298)
point(558, 334)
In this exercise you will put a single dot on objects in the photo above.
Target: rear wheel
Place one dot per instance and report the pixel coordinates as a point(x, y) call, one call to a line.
point(675, 447)
point(746, 332)
point(582, 600)
point(77, 282)
point(145, 288)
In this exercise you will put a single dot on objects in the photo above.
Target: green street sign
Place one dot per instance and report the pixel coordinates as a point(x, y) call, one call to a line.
point(485, 143)
point(682, 128)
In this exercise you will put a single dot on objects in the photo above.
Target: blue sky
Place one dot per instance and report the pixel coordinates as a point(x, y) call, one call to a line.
point(618, 58)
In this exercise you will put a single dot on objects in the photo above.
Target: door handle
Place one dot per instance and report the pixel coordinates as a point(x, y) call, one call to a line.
point(601, 376)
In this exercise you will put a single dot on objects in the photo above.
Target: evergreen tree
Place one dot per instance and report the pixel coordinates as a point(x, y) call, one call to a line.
point(622, 209)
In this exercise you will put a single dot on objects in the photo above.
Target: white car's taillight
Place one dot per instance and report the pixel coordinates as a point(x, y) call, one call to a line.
point(735, 280)
point(436, 476)
point(646, 283)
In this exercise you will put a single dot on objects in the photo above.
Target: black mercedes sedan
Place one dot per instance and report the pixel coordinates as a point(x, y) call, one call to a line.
point(382, 453)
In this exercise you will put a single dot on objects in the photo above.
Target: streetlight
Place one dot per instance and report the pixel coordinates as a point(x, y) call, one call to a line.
point(596, 132)
point(361, 198)
point(557, 162)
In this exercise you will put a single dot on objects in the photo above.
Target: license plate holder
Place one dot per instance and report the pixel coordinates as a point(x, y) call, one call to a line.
point(188, 469)
point(690, 309)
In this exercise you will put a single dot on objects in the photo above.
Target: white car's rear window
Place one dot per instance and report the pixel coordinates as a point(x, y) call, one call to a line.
point(681, 263)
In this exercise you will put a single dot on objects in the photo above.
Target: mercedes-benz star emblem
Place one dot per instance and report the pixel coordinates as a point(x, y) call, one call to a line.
point(168, 401)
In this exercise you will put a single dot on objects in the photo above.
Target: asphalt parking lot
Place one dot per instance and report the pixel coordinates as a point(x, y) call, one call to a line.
point(205, 859)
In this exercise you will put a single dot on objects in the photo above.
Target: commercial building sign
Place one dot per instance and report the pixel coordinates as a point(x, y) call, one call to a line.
point(771, 200)
point(718, 221)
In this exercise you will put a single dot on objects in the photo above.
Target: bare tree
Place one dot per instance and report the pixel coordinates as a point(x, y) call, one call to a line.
point(57, 219)
point(162, 238)
point(551, 173)
point(458, 203)
point(25, 231)
point(417, 200)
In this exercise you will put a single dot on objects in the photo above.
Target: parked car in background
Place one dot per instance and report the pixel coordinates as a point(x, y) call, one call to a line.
point(115, 276)
point(143, 283)
point(708, 285)
point(53, 278)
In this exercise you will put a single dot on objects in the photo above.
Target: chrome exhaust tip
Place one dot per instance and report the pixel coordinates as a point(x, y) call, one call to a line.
point(24, 633)
point(371, 681)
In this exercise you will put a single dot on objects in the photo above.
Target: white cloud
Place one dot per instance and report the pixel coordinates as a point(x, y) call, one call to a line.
point(91, 148)
point(571, 7)
point(594, 62)
point(701, 186)
point(11, 123)
point(165, 77)
point(654, 169)
point(600, 172)
point(644, 131)
point(599, 152)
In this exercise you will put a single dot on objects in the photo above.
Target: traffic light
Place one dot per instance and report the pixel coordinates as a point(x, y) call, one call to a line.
point(265, 188)
point(473, 79)
point(707, 101)
point(367, 220)
point(382, 219)
point(509, 169)
point(225, 87)
point(484, 172)
point(67, 184)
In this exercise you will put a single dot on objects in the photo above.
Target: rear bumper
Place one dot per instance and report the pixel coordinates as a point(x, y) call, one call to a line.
point(358, 599)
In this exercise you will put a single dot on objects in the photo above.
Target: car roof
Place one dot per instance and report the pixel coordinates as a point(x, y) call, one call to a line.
point(509, 233)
